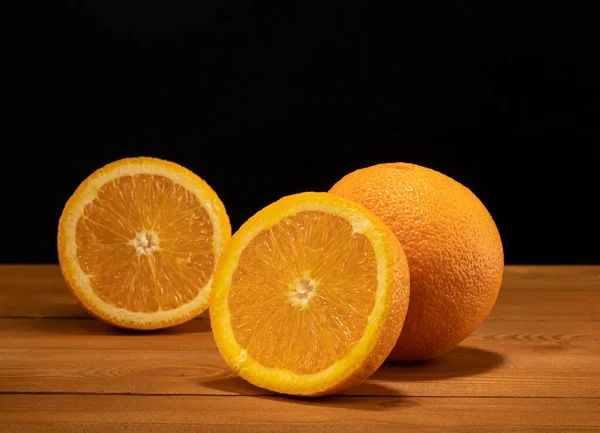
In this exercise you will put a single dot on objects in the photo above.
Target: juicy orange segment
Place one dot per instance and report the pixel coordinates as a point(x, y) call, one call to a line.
point(315, 259)
point(138, 243)
point(310, 295)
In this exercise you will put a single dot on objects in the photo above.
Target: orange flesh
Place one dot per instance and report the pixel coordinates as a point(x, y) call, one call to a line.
point(302, 292)
point(146, 244)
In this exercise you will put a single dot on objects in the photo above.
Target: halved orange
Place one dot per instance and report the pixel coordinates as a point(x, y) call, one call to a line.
point(138, 243)
point(309, 296)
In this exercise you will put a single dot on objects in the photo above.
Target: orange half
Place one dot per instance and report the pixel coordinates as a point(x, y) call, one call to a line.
point(138, 243)
point(310, 295)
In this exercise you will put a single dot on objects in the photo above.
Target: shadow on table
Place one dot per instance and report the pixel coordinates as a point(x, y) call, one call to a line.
point(385, 385)
point(461, 361)
point(379, 398)
point(354, 398)
point(193, 326)
point(92, 326)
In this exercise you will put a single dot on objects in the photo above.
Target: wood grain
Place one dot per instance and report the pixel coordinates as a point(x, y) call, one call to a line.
point(533, 365)
point(540, 360)
point(20, 284)
point(528, 293)
point(68, 413)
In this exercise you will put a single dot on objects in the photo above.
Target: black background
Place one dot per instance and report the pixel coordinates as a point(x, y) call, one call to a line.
point(263, 100)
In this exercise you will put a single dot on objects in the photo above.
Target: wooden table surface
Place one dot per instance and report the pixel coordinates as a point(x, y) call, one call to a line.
point(534, 365)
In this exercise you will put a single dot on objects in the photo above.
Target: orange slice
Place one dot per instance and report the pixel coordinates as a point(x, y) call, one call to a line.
point(309, 296)
point(138, 242)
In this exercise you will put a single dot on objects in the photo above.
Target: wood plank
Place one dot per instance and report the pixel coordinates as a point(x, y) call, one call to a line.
point(44, 283)
point(177, 414)
point(94, 334)
point(52, 299)
point(518, 305)
point(29, 272)
point(552, 338)
point(551, 277)
point(502, 359)
point(21, 284)
point(546, 305)
point(466, 371)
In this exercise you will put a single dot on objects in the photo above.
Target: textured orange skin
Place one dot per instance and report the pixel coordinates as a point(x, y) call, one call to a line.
point(453, 248)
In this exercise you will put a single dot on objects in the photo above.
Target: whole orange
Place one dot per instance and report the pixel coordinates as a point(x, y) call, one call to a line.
point(453, 248)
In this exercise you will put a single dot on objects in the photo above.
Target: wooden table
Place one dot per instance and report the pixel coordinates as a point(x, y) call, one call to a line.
point(534, 365)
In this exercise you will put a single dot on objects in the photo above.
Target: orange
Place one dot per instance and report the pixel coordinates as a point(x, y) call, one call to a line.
point(452, 245)
point(138, 242)
point(309, 296)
